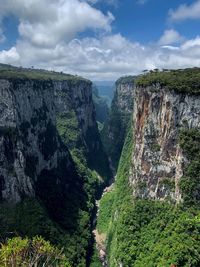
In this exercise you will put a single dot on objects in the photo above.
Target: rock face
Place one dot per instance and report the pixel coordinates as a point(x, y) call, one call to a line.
point(123, 98)
point(73, 101)
point(158, 160)
point(76, 96)
point(32, 154)
point(49, 141)
point(120, 114)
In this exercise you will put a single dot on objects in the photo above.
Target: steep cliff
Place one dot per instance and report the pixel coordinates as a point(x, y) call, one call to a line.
point(76, 122)
point(160, 113)
point(35, 163)
point(153, 209)
point(29, 141)
point(45, 117)
point(115, 129)
point(158, 159)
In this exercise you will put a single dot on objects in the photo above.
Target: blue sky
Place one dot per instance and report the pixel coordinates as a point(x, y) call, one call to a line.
point(100, 39)
point(145, 21)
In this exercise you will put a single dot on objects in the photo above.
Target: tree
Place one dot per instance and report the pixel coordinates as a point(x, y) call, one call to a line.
point(31, 253)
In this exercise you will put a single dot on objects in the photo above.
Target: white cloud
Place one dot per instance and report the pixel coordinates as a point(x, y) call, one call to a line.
point(106, 58)
point(10, 56)
point(192, 43)
point(48, 22)
point(170, 37)
point(185, 11)
point(48, 39)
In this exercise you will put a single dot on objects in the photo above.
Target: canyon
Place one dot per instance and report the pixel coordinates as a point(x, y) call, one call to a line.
point(55, 164)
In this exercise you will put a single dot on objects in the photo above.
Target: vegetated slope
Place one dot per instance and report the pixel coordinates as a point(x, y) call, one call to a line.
point(115, 129)
point(42, 190)
point(9, 72)
point(182, 80)
point(31, 252)
point(77, 125)
point(153, 211)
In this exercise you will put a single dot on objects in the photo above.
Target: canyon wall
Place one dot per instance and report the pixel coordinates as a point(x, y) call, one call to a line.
point(158, 160)
point(29, 140)
point(115, 128)
point(52, 161)
point(152, 210)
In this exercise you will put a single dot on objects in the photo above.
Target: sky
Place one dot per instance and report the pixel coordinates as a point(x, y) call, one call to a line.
point(100, 39)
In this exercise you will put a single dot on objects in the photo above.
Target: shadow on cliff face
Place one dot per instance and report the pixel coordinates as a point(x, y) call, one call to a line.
point(61, 191)
point(57, 209)
point(96, 156)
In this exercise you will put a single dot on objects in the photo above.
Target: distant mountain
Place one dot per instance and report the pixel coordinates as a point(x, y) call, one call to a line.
point(101, 105)
point(104, 83)
point(106, 89)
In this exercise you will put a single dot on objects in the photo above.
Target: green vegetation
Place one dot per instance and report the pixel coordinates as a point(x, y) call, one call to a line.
point(105, 211)
point(182, 81)
point(126, 79)
point(30, 218)
point(89, 158)
point(190, 182)
point(115, 128)
point(69, 131)
point(70, 134)
point(88, 144)
point(156, 234)
point(114, 132)
point(35, 252)
point(95, 261)
point(97, 159)
point(68, 128)
point(169, 183)
point(61, 213)
point(63, 209)
point(11, 72)
point(144, 233)
point(155, 147)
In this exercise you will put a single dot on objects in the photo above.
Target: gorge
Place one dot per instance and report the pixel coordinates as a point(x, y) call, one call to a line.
point(54, 165)
point(151, 217)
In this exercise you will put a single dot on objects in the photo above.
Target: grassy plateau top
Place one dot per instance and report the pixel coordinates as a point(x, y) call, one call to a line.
point(182, 80)
point(11, 72)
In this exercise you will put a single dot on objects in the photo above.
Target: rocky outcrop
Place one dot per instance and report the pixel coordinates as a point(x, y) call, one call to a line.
point(76, 95)
point(114, 132)
point(158, 161)
point(73, 101)
point(123, 98)
point(30, 147)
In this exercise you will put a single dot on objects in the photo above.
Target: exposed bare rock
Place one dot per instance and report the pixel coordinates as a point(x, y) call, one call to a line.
point(158, 160)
